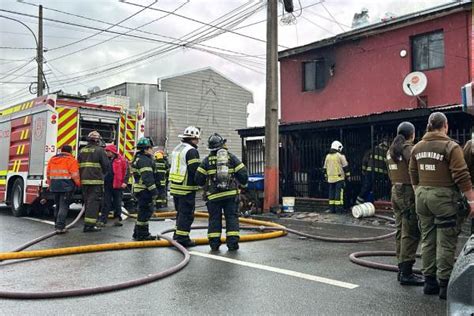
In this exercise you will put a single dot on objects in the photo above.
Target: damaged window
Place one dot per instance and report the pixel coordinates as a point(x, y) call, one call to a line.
point(313, 75)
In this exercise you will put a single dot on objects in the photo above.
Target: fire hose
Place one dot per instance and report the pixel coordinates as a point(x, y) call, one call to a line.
point(272, 230)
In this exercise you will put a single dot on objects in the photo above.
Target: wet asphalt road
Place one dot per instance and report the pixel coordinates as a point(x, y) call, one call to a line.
point(207, 286)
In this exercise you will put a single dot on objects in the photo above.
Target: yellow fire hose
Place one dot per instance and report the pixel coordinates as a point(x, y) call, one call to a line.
point(137, 244)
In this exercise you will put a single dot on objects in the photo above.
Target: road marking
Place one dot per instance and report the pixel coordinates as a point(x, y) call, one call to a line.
point(39, 220)
point(278, 270)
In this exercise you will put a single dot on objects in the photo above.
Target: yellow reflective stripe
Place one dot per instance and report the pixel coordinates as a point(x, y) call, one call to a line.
point(145, 169)
point(214, 235)
point(222, 194)
point(142, 223)
point(90, 220)
point(331, 202)
point(90, 164)
point(335, 178)
point(152, 187)
point(182, 233)
point(161, 171)
point(202, 170)
point(239, 167)
point(338, 203)
point(195, 160)
point(184, 187)
point(3, 172)
point(377, 157)
point(233, 233)
point(92, 182)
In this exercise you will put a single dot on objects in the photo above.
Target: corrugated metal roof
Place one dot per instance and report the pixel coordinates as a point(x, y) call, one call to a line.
point(354, 120)
point(382, 27)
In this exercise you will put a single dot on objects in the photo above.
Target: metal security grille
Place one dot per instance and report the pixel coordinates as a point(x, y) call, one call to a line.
point(302, 154)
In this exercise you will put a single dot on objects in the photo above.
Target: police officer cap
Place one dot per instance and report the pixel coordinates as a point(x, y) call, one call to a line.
point(406, 129)
point(215, 142)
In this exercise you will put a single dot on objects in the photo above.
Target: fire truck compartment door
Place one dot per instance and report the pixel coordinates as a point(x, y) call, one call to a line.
point(5, 129)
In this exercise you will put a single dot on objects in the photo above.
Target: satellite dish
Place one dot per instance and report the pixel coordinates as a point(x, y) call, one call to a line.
point(414, 83)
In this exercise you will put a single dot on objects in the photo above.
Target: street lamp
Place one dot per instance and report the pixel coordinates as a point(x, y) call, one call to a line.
point(39, 55)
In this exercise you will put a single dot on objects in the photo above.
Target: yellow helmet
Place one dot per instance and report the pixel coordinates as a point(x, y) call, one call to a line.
point(159, 154)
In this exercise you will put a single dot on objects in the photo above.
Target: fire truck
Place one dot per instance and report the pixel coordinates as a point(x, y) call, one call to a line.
point(32, 132)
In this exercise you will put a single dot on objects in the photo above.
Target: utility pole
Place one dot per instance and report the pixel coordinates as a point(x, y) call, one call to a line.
point(39, 53)
point(272, 182)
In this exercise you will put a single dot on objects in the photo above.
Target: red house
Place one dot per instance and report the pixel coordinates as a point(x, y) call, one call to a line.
point(349, 88)
point(361, 72)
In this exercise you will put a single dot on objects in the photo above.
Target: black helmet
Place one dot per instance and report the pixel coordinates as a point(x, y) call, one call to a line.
point(406, 129)
point(215, 142)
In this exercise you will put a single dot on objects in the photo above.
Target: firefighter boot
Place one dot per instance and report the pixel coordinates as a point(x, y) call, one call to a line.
point(431, 285)
point(142, 233)
point(214, 243)
point(118, 222)
point(443, 289)
point(91, 229)
point(407, 276)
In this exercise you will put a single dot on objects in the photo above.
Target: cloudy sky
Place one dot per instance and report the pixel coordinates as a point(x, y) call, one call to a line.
point(106, 42)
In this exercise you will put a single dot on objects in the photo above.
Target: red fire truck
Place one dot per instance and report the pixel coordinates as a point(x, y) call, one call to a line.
point(32, 132)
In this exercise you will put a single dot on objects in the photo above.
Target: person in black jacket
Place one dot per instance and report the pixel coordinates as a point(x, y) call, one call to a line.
point(222, 173)
point(143, 167)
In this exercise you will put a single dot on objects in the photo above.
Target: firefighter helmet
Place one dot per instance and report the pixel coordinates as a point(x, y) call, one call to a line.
point(191, 132)
point(336, 145)
point(93, 136)
point(159, 155)
point(144, 143)
point(215, 142)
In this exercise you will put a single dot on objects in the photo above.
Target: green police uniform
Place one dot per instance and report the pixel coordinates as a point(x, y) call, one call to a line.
point(403, 202)
point(438, 169)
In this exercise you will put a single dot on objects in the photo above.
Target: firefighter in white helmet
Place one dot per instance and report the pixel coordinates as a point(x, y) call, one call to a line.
point(336, 170)
point(184, 163)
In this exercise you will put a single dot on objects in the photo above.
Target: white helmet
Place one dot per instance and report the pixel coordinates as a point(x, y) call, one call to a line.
point(337, 145)
point(191, 132)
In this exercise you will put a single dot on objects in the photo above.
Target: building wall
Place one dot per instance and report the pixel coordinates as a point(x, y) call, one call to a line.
point(369, 73)
point(207, 100)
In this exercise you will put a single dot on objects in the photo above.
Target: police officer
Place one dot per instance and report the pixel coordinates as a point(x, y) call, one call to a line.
point(93, 164)
point(439, 173)
point(184, 162)
point(469, 157)
point(222, 173)
point(403, 202)
point(161, 171)
point(143, 168)
point(336, 170)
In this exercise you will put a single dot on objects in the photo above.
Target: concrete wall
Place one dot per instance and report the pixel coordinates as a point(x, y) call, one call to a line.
point(207, 100)
point(369, 73)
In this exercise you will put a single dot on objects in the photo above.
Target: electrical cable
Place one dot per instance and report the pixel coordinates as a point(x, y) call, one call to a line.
point(332, 16)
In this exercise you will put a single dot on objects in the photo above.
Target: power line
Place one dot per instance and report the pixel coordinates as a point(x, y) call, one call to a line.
point(18, 48)
point(102, 31)
point(325, 8)
point(204, 23)
point(321, 27)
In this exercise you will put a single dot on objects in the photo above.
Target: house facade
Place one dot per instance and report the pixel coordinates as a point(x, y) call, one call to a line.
point(350, 88)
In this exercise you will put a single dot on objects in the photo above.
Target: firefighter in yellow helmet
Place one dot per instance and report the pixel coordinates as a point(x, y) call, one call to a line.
point(337, 171)
point(161, 177)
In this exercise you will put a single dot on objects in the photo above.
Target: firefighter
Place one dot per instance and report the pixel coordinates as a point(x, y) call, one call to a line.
point(374, 166)
point(161, 172)
point(93, 164)
point(440, 174)
point(63, 178)
point(222, 173)
point(336, 170)
point(403, 202)
point(144, 188)
point(469, 157)
point(184, 162)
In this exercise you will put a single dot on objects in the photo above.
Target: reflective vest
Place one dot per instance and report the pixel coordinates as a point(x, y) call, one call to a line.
point(63, 173)
point(179, 166)
point(334, 165)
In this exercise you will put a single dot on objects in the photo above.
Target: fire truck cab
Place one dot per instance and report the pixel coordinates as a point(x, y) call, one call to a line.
point(34, 131)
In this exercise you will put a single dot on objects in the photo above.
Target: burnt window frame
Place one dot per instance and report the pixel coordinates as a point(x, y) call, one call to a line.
point(319, 81)
point(412, 47)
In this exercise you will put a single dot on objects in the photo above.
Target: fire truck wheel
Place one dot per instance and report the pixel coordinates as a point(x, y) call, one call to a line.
point(18, 207)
